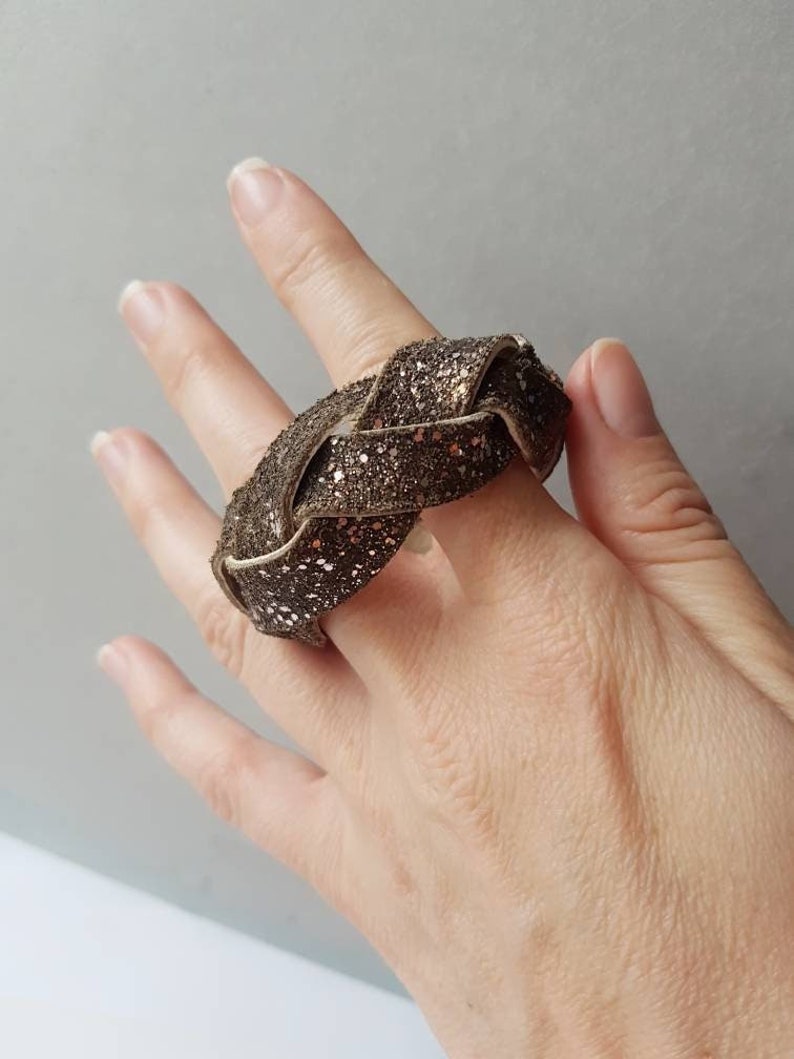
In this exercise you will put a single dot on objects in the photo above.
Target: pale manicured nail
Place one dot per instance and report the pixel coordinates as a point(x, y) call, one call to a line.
point(109, 454)
point(620, 391)
point(112, 662)
point(254, 186)
point(143, 310)
point(419, 540)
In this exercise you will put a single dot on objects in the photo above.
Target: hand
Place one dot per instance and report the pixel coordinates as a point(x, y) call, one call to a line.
point(550, 762)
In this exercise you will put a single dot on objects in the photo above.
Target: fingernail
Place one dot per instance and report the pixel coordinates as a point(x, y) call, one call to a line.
point(620, 391)
point(109, 454)
point(419, 539)
point(143, 310)
point(112, 662)
point(254, 186)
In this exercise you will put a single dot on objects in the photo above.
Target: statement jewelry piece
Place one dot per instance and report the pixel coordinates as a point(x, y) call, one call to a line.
point(326, 509)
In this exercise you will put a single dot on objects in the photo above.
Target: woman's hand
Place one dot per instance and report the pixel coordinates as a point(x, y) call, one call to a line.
point(550, 763)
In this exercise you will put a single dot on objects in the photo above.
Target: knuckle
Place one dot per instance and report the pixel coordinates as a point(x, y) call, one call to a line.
point(471, 789)
point(223, 778)
point(375, 339)
point(225, 631)
point(665, 498)
point(568, 627)
point(450, 761)
point(463, 788)
point(145, 515)
point(184, 369)
point(312, 262)
point(155, 721)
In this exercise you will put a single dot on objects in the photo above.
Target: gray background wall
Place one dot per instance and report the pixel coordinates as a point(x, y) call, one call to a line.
point(566, 168)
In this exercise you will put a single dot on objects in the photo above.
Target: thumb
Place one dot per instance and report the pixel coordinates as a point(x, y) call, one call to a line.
point(632, 491)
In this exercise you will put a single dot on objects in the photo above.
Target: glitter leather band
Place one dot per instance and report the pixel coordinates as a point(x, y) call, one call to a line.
point(325, 510)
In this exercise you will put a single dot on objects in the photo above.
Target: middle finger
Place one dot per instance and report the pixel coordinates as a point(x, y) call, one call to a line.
point(352, 313)
point(355, 317)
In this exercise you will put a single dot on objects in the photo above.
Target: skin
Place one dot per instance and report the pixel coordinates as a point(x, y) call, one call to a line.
point(549, 762)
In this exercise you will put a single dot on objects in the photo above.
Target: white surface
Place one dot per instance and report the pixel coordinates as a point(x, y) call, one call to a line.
point(91, 968)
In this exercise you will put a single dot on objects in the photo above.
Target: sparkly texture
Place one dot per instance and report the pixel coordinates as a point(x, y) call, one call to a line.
point(325, 510)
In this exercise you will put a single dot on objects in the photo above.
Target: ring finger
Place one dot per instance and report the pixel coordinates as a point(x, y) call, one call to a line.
point(311, 695)
point(229, 408)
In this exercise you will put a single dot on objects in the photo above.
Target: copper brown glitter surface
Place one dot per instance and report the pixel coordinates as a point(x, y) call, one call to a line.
point(325, 510)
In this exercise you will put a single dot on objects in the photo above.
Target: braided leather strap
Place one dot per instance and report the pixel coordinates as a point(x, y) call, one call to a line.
point(324, 510)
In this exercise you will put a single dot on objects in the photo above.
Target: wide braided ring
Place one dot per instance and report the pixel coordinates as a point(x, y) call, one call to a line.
point(326, 509)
